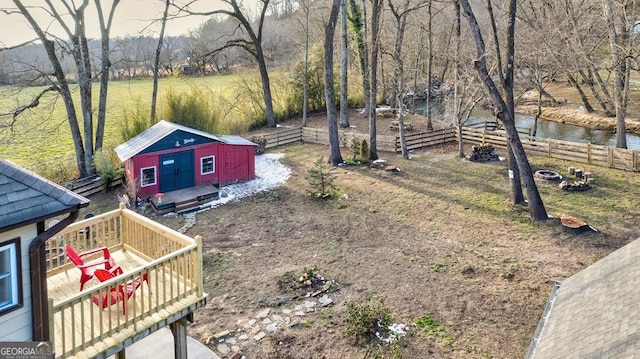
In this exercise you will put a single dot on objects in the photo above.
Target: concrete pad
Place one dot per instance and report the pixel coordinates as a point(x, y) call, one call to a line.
point(160, 345)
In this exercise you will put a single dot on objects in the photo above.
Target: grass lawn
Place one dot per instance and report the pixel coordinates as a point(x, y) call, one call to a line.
point(438, 241)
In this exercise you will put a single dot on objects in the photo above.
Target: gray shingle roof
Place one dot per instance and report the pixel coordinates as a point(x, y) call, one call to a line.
point(162, 129)
point(595, 312)
point(26, 197)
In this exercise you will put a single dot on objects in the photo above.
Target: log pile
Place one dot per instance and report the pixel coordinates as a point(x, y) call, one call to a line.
point(483, 153)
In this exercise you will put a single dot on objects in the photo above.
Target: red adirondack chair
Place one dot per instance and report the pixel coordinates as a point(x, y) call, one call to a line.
point(87, 269)
point(119, 293)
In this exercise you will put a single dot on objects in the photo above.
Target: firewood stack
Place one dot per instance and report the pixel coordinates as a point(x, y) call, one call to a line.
point(483, 153)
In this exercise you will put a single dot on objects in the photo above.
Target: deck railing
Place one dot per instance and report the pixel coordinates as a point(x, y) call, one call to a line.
point(173, 270)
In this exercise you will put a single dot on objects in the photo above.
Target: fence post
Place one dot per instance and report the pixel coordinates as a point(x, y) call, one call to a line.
point(549, 147)
point(610, 157)
point(634, 159)
point(588, 153)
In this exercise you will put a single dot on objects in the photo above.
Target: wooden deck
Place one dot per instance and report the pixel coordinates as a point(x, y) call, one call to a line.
point(185, 199)
point(171, 261)
point(88, 320)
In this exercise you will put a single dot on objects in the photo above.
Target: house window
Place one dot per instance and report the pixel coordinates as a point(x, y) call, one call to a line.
point(147, 176)
point(10, 276)
point(208, 165)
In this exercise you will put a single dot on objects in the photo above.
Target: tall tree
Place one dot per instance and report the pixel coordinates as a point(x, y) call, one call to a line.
point(329, 93)
point(344, 86)
point(156, 62)
point(376, 10)
point(506, 115)
point(252, 44)
point(76, 45)
point(357, 21)
point(105, 30)
point(621, 19)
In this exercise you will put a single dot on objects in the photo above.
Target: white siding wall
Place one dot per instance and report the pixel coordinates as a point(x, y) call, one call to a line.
point(16, 325)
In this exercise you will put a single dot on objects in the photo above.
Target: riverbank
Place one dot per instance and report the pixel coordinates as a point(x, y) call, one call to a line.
point(570, 110)
point(576, 115)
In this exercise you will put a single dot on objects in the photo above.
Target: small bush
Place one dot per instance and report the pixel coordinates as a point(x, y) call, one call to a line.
point(367, 321)
point(107, 166)
point(364, 151)
point(321, 181)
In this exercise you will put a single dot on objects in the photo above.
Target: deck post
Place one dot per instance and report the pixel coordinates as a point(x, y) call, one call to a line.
point(121, 354)
point(179, 330)
point(199, 275)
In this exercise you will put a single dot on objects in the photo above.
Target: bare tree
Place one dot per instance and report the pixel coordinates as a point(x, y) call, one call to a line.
point(252, 43)
point(357, 20)
point(332, 113)
point(156, 63)
point(621, 19)
point(77, 46)
point(344, 86)
point(502, 110)
point(376, 10)
point(105, 29)
point(400, 14)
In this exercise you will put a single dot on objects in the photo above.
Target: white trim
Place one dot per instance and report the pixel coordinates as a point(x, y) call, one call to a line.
point(12, 274)
point(213, 164)
point(155, 176)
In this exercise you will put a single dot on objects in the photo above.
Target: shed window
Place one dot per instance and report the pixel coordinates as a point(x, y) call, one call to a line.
point(147, 176)
point(10, 276)
point(208, 165)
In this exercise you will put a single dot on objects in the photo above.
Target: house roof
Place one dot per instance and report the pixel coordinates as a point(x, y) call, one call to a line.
point(594, 313)
point(26, 197)
point(161, 130)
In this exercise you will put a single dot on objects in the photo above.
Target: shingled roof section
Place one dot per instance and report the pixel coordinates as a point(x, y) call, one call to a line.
point(164, 128)
point(595, 312)
point(27, 198)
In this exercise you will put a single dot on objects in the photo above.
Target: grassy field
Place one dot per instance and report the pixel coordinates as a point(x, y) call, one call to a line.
point(42, 136)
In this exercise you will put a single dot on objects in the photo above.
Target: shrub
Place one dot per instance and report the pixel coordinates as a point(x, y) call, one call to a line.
point(321, 181)
point(135, 119)
point(108, 166)
point(364, 151)
point(367, 321)
point(195, 109)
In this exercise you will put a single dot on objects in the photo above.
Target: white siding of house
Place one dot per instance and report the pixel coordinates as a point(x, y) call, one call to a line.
point(16, 325)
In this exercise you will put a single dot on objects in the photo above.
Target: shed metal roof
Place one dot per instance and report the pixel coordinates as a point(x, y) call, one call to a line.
point(26, 197)
point(162, 129)
point(594, 313)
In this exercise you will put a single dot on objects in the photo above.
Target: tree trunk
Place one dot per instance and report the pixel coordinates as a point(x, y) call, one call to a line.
point(430, 69)
point(537, 210)
point(329, 94)
point(358, 25)
point(344, 87)
point(305, 95)
point(618, 37)
point(105, 29)
point(375, 18)
point(583, 96)
point(156, 61)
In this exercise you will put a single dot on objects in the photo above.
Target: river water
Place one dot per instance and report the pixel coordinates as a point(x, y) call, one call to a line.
point(553, 129)
point(563, 131)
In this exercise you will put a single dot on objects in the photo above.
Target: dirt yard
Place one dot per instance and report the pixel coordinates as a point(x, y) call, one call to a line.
point(438, 242)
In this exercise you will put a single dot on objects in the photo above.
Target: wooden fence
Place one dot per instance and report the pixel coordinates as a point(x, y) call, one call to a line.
point(90, 185)
point(321, 137)
point(427, 139)
point(598, 155)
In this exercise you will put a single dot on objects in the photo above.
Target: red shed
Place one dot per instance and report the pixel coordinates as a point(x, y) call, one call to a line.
point(167, 157)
